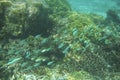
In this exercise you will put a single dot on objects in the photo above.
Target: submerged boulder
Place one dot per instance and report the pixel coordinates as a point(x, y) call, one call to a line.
point(24, 18)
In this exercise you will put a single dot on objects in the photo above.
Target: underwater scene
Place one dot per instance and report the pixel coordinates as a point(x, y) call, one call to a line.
point(59, 40)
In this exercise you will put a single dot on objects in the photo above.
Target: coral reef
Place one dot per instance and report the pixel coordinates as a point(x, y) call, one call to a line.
point(46, 40)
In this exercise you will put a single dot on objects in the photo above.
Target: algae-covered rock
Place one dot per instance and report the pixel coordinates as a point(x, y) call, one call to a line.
point(4, 5)
point(80, 75)
point(24, 18)
point(89, 46)
point(58, 8)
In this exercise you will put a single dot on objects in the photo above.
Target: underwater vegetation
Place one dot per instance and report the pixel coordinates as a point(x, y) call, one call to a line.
point(46, 40)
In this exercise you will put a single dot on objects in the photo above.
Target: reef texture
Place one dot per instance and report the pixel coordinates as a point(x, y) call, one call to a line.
point(46, 40)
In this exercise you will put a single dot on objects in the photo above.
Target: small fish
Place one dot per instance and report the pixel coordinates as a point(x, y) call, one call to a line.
point(75, 32)
point(61, 45)
point(65, 51)
point(44, 41)
point(14, 61)
point(50, 63)
point(37, 64)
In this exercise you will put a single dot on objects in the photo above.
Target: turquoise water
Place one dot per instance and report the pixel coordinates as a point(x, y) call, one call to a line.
point(94, 6)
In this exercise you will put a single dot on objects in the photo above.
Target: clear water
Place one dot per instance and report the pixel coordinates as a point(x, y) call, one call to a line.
point(94, 6)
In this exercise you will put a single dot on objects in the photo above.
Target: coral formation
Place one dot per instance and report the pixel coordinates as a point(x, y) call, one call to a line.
point(46, 40)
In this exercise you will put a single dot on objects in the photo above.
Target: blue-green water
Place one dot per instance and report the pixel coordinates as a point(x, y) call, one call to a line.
point(94, 6)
